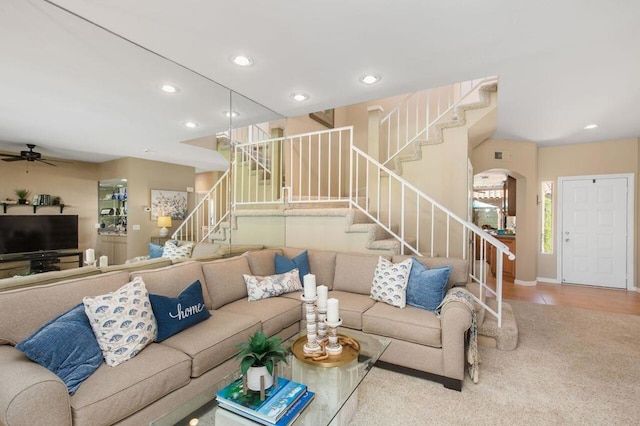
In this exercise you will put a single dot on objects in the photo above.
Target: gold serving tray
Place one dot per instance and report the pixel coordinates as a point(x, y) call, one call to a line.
point(348, 354)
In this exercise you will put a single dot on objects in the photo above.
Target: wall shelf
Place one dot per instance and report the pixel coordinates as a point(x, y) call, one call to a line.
point(35, 208)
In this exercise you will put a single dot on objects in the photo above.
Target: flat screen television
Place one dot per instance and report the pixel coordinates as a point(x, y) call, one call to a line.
point(24, 234)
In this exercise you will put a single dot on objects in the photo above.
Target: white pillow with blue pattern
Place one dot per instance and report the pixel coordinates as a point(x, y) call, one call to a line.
point(122, 321)
point(390, 282)
point(272, 285)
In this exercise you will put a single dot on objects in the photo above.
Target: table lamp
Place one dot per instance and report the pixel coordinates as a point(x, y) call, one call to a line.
point(164, 222)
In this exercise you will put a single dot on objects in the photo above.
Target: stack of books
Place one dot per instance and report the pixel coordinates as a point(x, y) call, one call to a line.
point(283, 402)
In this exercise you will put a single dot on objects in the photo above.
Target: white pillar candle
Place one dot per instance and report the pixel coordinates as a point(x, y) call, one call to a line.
point(309, 286)
point(104, 261)
point(333, 312)
point(323, 290)
point(90, 255)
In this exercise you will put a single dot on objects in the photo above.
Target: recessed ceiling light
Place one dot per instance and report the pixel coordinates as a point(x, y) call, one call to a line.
point(299, 96)
point(370, 79)
point(243, 61)
point(169, 88)
point(591, 126)
point(191, 124)
point(231, 114)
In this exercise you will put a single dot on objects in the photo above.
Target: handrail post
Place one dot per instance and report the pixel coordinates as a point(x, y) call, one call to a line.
point(375, 149)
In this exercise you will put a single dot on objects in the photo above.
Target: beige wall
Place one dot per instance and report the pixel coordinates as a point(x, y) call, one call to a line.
point(520, 160)
point(600, 158)
point(76, 183)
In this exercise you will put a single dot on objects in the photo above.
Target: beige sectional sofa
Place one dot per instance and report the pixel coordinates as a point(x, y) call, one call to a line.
point(167, 374)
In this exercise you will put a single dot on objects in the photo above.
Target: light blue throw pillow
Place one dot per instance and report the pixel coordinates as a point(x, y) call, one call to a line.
point(66, 346)
point(176, 314)
point(301, 262)
point(155, 250)
point(427, 287)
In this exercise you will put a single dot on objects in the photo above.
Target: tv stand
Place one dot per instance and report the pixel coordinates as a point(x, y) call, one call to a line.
point(42, 261)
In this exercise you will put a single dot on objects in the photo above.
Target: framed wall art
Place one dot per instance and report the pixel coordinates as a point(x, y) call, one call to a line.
point(325, 117)
point(169, 203)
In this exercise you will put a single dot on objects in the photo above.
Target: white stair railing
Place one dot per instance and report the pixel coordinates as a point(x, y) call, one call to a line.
point(316, 169)
point(204, 221)
point(414, 117)
point(423, 225)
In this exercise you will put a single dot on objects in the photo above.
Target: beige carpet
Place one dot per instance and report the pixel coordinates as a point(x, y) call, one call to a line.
point(571, 367)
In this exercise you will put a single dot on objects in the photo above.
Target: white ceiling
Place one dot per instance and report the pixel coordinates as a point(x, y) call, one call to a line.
point(80, 92)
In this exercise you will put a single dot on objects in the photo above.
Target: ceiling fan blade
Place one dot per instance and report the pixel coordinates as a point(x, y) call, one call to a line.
point(13, 159)
point(46, 162)
point(10, 155)
point(57, 161)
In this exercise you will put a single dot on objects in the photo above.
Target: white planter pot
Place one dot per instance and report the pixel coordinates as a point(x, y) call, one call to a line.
point(253, 378)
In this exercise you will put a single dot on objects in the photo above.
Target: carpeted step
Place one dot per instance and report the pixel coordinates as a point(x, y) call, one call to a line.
point(506, 337)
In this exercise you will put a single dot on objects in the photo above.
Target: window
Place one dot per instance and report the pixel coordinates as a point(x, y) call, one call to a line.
point(547, 218)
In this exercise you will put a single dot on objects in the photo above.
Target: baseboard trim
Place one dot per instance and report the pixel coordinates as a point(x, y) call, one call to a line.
point(549, 280)
point(525, 283)
point(447, 382)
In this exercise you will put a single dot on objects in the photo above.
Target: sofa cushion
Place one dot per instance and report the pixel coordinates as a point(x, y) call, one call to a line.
point(47, 277)
point(171, 280)
point(352, 306)
point(47, 301)
point(122, 321)
point(272, 285)
point(262, 262)
point(213, 341)
point(114, 393)
point(65, 346)
point(409, 324)
point(426, 286)
point(459, 275)
point(174, 314)
point(354, 272)
point(205, 249)
point(223, 280)
point(276, 313)
point(322, 264)
point(172, 250)
point(390, 282)
point(300, 262)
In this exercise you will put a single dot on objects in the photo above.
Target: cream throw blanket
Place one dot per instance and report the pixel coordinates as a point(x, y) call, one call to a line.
point(461, 294)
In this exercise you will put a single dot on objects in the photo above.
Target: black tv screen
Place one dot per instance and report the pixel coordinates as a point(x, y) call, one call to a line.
point(24, 234)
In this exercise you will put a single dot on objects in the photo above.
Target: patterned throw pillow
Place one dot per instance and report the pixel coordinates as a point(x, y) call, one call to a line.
point(122, 321)
point(390, 282)
point(427, 287)
point(272, 285)
point(174, 314)
point(173, 251)
point(301, 261)
point(66, 346)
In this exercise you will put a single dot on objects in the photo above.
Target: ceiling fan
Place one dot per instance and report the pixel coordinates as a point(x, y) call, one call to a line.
point(30, 156)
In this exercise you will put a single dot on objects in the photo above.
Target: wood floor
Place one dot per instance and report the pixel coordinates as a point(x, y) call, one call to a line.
point(586, 297)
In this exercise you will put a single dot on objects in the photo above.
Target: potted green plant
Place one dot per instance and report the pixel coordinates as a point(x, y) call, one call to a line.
point(56, 201)
point(22, 195)
point(258, 357)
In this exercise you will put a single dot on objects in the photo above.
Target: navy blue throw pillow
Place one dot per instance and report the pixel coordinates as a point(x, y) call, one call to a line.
point(301, 262)
point(426, 287)
point(176, 314)
point(66, 346)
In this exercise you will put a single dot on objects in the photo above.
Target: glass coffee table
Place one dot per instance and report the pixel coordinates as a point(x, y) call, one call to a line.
point(335, 389)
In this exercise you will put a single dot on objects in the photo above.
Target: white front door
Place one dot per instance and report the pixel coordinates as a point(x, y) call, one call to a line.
point(594, 231)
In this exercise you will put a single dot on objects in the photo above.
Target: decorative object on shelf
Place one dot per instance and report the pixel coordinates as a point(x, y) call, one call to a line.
point(333, 321)
point(22, 195)
point(260, 351)
point(56, 201)
point(321, 309)
point(169, 203)
point(309, 297)
point(164, 222)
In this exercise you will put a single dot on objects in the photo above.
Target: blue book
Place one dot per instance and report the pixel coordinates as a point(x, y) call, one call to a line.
point(277, 399)
point(288, 418)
